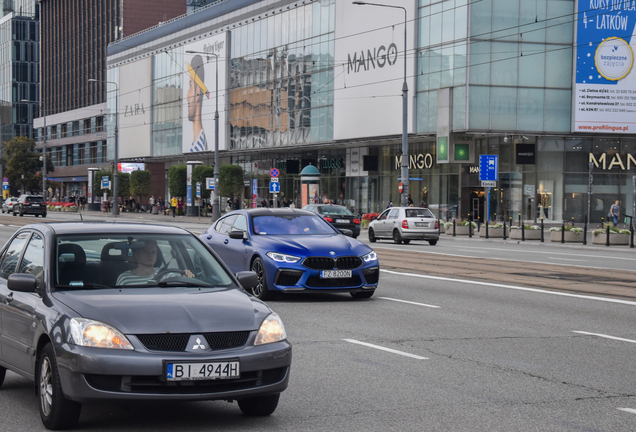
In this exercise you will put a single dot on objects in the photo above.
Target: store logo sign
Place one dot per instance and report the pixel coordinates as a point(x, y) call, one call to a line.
point(379, 57)
point(615, 161)
point(419, 161)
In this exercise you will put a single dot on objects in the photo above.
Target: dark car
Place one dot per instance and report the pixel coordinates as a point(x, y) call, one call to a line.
point(293, 251)
point(338, 216)
point(30, 204)
point(103, 311)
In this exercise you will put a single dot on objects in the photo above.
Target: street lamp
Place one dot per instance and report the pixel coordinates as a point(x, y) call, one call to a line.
point(405, 91)
point(115, 175)
point(216, 208)
point(43, 109)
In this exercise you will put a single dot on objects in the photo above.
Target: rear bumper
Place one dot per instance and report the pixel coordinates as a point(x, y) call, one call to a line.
point(410, 235)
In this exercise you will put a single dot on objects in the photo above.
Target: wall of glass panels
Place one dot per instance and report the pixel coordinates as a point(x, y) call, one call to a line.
point(167, 93)
point(521, 65)
point(281, 78)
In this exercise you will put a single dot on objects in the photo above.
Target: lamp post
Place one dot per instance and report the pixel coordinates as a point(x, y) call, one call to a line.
point(115, 174)
point(405, 91)
point(216, 207)
point(43, 109)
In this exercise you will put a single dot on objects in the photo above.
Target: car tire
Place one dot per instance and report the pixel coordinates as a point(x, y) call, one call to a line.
point(43, 214)
point(372, 238)
point(56, 411)
point(362, 295)
point(3, 372)
point(432, 242)
point(397, 238)
point(261, 291)
point(406, 241)
point(260, 406)
point(2, 211)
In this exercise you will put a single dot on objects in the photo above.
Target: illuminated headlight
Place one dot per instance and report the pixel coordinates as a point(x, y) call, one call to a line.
point(272, 330)
point(279, 257)
point(371, 256)
point(85, 332)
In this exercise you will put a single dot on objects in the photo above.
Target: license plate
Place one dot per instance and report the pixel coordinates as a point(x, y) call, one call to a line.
point(35, 205)
point(335, 274)
point(342, 221)
point(421, 224)
point(202, 370)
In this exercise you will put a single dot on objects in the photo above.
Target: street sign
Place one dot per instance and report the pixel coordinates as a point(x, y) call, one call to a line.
point(209, 182)
point(105, 182)
point(400, 187)
point(274, 172)
point(5, 187)
point(485, 183)
point(5, 179)
point(274, 187)
point(488, 168)
point(274, 180)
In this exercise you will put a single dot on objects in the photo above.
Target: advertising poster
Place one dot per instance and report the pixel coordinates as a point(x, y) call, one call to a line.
point(605, 90)
point(200, 93)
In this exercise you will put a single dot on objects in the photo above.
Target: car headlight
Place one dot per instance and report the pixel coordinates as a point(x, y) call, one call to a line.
point(85, 332)
point(272, 330)
point(279, 257)
point(371, 256)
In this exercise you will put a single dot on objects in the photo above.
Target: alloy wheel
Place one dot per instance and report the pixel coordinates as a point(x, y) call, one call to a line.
point(46, 386)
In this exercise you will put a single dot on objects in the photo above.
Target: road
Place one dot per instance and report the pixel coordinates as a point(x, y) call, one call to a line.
point(432, 350)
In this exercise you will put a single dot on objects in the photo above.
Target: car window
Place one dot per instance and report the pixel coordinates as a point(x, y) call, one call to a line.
point(335, 211)
point(36, 199)
point(33, 259)
point(426, 213)
point(240, 223)
point(291, 225)
point(394, 213)
point(12, 254)
point(224, 225)
point(383, 215)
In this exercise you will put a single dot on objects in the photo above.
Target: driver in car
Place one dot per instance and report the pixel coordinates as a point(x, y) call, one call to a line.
point(146, 271)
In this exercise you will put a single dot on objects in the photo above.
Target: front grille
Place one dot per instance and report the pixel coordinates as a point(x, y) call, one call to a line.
point(317, 282)
point(326, 263)
point(179, 341)
point(155, 385)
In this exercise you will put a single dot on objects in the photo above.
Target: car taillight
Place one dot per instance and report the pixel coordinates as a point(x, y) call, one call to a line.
point(436, 224)
point(328, 219)
point(405, 224)
point(26, 203)
point(356, 221)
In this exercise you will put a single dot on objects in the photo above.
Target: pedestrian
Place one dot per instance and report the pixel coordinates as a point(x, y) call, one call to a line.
point(390, 204)
point(615, 212)
point(180, 207)
point(409, 201)
point(173, 205)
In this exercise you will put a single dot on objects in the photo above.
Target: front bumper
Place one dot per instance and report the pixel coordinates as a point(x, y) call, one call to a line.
point(302, 279)
point(93, 374)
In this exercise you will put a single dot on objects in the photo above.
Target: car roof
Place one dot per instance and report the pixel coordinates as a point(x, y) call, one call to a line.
point(327, 205)
point(90, 227)
point(283, 211)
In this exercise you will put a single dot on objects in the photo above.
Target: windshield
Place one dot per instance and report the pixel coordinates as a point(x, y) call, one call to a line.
point(131, 260)
point(37, 199)
point(335, 211)
point(290, 225)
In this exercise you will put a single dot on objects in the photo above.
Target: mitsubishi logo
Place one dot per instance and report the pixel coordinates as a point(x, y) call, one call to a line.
point(198, 345)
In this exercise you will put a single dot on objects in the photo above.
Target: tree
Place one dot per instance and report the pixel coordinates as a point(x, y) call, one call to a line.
point(140, 184)
point(123, 184)
point(22, 164)
point(177, 178)
point(231, 181)
point(199, 174)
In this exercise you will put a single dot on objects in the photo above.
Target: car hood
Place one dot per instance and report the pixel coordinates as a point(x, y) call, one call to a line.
point(161, 310)
point(311, 245)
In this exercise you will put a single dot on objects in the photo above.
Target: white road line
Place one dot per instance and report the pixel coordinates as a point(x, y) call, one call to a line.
point(605, 336)
point(629, 410)
point(353, 341)
point(481, 249)
point(518, 288)
point(410, 302)
point(564, 259)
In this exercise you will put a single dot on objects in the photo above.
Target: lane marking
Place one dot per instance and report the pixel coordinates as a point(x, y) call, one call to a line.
point(410, 302)
point(629, 410)
point(402, 353)
point(605, 336)
point(542, 252)
point(565, 259)
point(513, 287)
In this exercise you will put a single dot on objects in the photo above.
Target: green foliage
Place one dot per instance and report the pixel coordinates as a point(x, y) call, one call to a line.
point(231, 181)
point(22, 164)
point(97, 182)
point(123, 185)
point(140, 184)
point(199, 174)
point(177, 180)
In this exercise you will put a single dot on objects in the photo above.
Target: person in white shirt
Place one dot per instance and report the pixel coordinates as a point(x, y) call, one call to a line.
point(145, 271)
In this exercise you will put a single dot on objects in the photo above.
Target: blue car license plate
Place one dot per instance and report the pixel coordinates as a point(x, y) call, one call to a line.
point(206, 370)
point(335, 274)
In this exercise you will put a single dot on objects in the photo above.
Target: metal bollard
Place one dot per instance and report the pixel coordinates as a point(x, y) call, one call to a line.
point(585, 231)
point(504, 227)
point(470, 227)
point(453, 227)
point(523, 232)
point(631, 235)
point(563, 232)
point(487, 229)
point(519, 219)
point(541, 229)
point(608, 234)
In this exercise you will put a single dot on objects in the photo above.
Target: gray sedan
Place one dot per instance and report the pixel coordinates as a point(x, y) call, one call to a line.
point(403, 224)
point(7, 205)
point(102, 311)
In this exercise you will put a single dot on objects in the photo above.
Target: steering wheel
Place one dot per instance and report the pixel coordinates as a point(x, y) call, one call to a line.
point(161, 273)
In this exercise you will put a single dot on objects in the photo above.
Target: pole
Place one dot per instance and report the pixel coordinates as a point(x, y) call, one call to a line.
point(589, 194)
point(44, 154)
point(116, 173)
point(216, 210)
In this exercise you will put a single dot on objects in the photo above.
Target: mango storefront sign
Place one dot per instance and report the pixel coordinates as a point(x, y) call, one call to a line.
point(616, 161)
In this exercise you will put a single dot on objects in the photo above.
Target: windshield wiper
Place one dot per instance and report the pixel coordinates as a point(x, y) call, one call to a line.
point(83, 286)
point(183, 283)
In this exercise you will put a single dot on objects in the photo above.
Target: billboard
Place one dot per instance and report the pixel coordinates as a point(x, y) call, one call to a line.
point(369, 71)
point(605, 88)
point(200, 93)
point(126, 167)
point(135, 108)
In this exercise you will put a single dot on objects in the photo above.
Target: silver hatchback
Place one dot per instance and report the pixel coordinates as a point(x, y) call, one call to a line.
point(7, 205)
point(403, 224)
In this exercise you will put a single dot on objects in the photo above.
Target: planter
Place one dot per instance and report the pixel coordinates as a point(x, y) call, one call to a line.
point(460, 230)
point(570, 237)
point(615, 239)
point(492, 232)
point(515, 234)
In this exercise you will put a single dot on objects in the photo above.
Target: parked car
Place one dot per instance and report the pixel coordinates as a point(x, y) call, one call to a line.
point(110, 312)
point(30, 204)
point(7, 205)
point(293, 250)
point(403, 224)
point(338, 216)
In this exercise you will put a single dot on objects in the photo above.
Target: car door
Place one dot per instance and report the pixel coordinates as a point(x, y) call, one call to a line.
point(8, 265)
point(218, 237)
point(392, 221)
point(235, 254)
point(379, 227)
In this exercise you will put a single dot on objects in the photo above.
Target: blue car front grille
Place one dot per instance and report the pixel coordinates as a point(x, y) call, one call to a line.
point(327, 263)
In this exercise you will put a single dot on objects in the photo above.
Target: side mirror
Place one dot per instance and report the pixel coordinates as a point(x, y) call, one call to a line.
point(347, 232)
point(238, 234)
point(22, 282)
point(247, 279)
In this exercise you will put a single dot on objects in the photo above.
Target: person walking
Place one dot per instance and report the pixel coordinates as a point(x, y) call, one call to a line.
point(180, 207)
point(615, 212)
point(173, 205)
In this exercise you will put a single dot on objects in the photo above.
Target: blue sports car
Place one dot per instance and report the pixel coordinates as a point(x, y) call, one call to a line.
point(293, 250)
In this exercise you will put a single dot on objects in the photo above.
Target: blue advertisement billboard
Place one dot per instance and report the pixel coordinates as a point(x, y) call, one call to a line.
point(605, 89)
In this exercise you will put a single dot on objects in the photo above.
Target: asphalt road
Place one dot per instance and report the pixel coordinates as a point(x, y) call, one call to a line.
point(428, 352)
